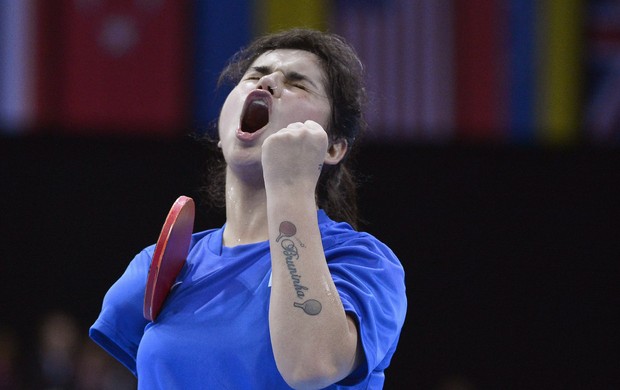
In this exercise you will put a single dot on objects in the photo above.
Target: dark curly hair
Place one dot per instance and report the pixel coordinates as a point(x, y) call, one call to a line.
point(337, 187)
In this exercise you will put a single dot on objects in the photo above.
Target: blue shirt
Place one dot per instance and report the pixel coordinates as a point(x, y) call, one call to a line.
point(213, 330)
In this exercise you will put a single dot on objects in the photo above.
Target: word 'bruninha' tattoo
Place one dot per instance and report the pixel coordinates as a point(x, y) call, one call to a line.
point(291, 254)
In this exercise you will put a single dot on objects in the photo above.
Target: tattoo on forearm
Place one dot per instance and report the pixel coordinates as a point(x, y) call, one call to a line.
point(311, 306)
point(291, 254)
point(287, 229)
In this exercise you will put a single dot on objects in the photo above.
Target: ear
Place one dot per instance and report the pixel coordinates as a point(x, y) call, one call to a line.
point(336, 151)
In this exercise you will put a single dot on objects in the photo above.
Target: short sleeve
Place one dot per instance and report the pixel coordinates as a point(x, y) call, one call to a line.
point(371, 283)
point(120, 325)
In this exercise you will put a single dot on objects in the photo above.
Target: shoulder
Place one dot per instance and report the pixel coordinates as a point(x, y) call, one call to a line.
point(338, 237)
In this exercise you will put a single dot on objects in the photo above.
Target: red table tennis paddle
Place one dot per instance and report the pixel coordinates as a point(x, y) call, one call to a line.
point(170, 254)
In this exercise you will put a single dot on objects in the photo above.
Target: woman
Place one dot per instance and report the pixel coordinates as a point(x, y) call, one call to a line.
point(282, 295)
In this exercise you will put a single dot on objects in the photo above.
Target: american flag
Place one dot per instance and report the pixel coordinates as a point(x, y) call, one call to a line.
point(407, 51)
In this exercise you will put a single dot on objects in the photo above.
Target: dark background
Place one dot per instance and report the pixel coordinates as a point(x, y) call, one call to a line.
point(511, 252)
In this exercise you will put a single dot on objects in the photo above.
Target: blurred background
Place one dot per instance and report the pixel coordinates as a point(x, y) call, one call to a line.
point(491, 169)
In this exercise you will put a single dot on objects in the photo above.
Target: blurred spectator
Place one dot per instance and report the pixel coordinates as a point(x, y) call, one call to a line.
point(8, 360)
point(455, 382)
point(58, 346)
point(68, 360)
point(96, 370)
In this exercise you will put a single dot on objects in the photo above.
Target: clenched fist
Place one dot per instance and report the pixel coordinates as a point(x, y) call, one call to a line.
point(294, 156)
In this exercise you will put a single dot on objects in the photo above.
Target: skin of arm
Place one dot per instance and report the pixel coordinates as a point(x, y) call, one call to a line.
point(314, 342)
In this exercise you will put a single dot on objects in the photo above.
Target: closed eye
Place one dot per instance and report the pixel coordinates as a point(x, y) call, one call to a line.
point(299, 80)
point(256, 72)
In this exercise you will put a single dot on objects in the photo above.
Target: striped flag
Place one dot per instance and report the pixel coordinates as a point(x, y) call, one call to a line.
point(17, 32)
point(478, 70)
point(603, 103)
point(408, 50)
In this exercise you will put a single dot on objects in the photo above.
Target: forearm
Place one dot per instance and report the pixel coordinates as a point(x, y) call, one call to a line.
point(314, 342)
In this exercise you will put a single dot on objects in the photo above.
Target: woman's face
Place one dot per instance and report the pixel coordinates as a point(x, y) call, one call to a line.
point(281, 87)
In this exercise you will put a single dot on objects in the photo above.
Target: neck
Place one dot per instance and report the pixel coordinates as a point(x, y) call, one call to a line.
point(246, 212)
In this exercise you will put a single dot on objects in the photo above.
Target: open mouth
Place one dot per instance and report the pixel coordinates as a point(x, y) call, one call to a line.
point(255, 113)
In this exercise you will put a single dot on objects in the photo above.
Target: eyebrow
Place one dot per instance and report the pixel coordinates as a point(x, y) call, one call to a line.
point(291, 76)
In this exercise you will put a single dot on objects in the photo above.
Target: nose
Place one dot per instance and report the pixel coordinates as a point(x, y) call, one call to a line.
point(271, 83)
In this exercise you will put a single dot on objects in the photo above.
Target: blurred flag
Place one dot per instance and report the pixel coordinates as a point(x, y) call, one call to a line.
point(123, 65)
point(17, 32)
point(603, 104)
point(480, 65)
point(95, 67)
point(276, 15)
point(407, 48)
point(221, 28)
point(560, 103)
point(437, 70)
point(479, 70)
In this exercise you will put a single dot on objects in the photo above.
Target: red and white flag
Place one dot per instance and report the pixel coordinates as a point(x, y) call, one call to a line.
point(95, 66)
